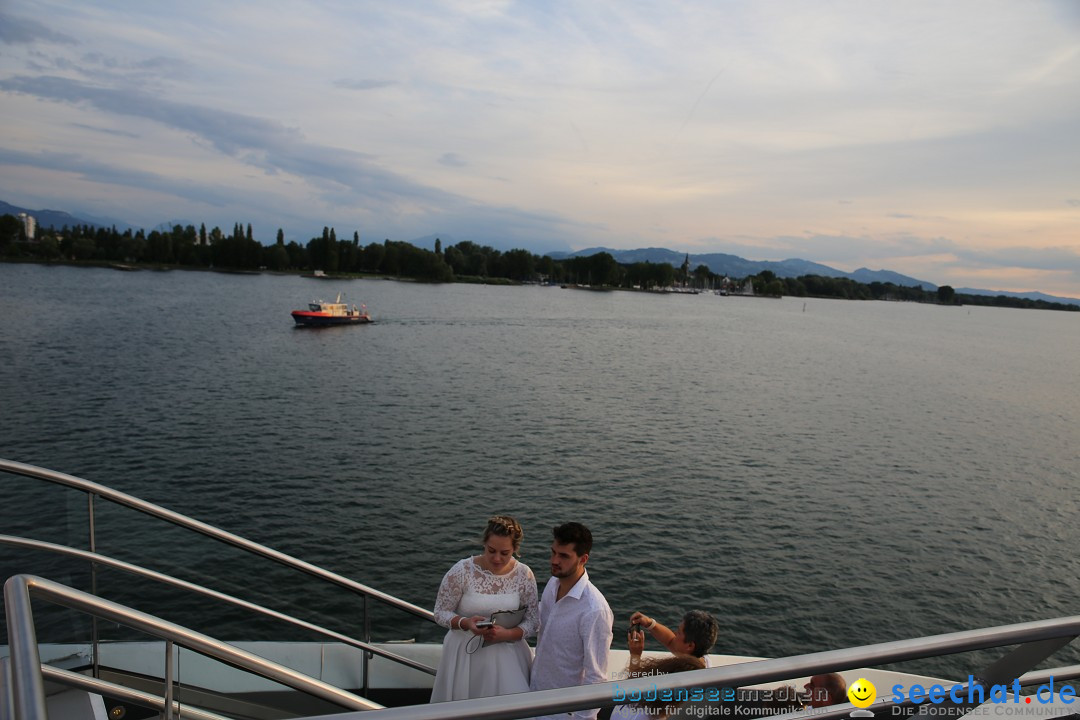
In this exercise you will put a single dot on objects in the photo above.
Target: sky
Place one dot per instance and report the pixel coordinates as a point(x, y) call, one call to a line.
point(938, 140)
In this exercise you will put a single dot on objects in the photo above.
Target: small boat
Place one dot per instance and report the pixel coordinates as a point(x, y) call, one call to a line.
point(321, 313)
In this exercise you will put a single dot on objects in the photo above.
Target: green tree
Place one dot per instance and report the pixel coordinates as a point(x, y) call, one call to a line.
point(298, 255)
point(702, 276)
point(774, 288)
point(277, 258)
point(371, 257)
point(82, 248)
point(455, 259)
point(946, 295)
point(10, 227)
point(47, 247)
point(519, 265)
point(391, 262)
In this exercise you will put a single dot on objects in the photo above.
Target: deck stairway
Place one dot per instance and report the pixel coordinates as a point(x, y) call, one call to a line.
point(174, 671)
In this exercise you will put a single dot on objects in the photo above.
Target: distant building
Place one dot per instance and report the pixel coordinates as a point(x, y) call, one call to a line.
point(29, 225)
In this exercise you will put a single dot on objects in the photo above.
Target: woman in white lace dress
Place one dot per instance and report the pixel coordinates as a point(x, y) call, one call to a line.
point(479, 662)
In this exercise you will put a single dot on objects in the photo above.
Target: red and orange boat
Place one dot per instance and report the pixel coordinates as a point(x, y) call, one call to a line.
point(320, 314)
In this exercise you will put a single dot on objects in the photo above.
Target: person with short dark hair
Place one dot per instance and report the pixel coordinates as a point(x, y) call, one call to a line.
point(696, 634)
point(575, 620)
point(826, 689)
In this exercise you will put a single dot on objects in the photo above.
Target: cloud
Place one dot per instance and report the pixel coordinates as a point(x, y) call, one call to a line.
point(106, 131)
point(228, 132)
point(1073, 202)
point(366, 84)
point(100, 172)
point(1050, 258)
point(344, 179)
point(16, 30)
point(452, 160)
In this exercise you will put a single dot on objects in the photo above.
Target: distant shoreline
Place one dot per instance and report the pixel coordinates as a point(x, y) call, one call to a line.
point(959, 299)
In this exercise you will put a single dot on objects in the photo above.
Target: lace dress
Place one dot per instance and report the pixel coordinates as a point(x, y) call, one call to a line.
point(467, 589)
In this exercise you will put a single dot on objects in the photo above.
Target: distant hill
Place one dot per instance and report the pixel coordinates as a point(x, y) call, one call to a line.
point(58, 218)
point(865, 275)
point(735, 266)
point(1025, 295)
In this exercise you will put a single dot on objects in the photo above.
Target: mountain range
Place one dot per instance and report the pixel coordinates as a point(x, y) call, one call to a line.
point(59, 218)
point(719, 263)
point(737, 267)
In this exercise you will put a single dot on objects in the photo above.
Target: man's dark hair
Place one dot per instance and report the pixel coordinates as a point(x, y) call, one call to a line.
point(700, 628)
point(576, 534)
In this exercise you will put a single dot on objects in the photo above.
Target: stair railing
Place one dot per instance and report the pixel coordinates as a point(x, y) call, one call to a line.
point(95, 490)
point(28, 685)
point(106, 561)
point(1035, 642)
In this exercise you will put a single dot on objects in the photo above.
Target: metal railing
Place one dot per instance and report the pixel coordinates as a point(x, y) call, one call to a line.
point(1035, 677)
point(107, 561)
point(94, 490)
point(1036, 640)
point(120, 692)
point(121, 498)
point(28, 688)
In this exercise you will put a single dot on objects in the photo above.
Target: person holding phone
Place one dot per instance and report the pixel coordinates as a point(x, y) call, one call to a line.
point(481, 658)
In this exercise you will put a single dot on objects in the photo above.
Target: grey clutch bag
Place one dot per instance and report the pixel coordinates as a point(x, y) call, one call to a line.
point(508, 618)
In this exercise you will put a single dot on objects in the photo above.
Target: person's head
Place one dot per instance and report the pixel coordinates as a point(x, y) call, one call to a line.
point(502, 539)
point(697, 633)
point(571, 544)
point(826, 689)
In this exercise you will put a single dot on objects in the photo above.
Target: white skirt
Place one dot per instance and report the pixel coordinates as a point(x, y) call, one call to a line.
point(498, 669)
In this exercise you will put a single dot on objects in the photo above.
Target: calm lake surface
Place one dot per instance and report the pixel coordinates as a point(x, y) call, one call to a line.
point(817, 473)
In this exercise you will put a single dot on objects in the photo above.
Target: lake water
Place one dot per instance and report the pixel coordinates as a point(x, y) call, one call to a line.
point(817, 473)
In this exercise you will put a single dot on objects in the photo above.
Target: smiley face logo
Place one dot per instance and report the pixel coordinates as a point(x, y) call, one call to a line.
point(861, 693)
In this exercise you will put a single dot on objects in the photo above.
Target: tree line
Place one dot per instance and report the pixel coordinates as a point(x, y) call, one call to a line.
point(466, 261)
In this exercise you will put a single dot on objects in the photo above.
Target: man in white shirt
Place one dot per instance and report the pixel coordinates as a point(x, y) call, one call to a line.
point(575, 621)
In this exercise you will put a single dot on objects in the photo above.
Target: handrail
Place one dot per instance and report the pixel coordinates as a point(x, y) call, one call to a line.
point(198, 526)
point(27, 687)
point(521, 705)
point(1035, 677)
point(138, 697)
point(26, 662)
point(1038, 677)
point(7, 703)
point(232, 600)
